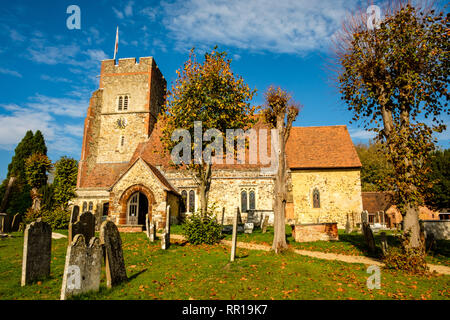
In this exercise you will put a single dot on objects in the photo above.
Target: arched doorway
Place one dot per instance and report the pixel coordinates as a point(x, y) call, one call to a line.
point(137, 209)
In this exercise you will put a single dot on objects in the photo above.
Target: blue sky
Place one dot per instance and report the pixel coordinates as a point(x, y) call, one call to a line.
point(48, 72)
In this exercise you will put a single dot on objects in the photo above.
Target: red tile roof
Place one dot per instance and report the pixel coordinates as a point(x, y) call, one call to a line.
point(377, 201)
point(307, 148)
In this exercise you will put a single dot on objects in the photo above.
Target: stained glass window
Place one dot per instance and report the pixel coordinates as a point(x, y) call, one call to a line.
point(191, 201)
point(244, 201)
point(252, 200)
point(184, 197)
point(316, 199)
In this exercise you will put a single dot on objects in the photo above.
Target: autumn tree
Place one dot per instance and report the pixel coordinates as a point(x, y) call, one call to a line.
point(280, 112)
point(64, 184)
point(36, 168)
point(375, 167)
point(208, 94)
point(394, 77)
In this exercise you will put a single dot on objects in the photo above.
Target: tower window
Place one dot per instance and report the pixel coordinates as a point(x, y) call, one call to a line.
point(125, 103)
point(122, 103)
point(122, 141)
point(316, 198)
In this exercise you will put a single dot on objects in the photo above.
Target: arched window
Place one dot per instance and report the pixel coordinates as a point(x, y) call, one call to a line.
point(120, 103)
point(91, 206)
point(244, 201)
point(125, 103)
point(252, 200)
point(84, 207)
point(316, 198)
point(191, 201)
point(184, 197)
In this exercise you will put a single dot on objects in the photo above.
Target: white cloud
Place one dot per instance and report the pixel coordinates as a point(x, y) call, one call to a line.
point(283, 26)
point(10, 72)
point(54, 54)
point(118, 13)
point(16, 36)
point(96, 55)
point(361, 134)
point(149, 12)
point(59, 106)
point(75, 130)
point(54, 79)
point(129, 9)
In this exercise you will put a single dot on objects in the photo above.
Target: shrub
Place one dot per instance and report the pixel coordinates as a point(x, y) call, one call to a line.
point(198, 229)
point(407, 259)
point(57, 218)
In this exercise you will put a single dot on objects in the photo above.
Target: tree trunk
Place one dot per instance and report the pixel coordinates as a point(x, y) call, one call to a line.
point(7, 193)
point(205, 184)
point(411, 224)
point(279, 236)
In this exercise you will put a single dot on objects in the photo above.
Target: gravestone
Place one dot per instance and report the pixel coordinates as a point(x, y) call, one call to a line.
point(165, 240)
point(112, 244)
point(234, 236)
point(248, 227)
point(75, 213)
point(368, 236)
point(364, 217)
point(16, 223)
point(265, 224)
point(84, 225)
point(2, 222)
point(384, 244)
point(83, 267)
point(147, 226)
point(152, 232)
point(348, 227)
point(37, 247)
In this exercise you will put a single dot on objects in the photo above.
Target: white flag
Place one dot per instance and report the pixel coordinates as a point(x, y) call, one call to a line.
point(116, 47)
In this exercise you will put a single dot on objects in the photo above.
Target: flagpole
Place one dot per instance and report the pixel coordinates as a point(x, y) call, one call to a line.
point(116, 45)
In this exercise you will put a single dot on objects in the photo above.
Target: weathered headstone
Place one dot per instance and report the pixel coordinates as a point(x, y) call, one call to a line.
point(348, 227)
point(112, 244)
point(152, 232)
point(16, 223)
point(248, 227)
point(165, 240)
point(234, 236)
point(265, 224)
point(368, 235)
point(147, 226)
point(83, 267)
point(37, 247)
point(384, 244)
point(364, 217)
point(84, 225)
point(2, 222)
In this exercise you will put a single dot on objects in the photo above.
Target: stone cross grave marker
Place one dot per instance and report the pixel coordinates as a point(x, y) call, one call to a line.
point(165, 240)
point(112, 244)
point(368, 235)
point(84, 225)
point(83, 267)
point(234, 236)
point(264, 224)
point(37, 247)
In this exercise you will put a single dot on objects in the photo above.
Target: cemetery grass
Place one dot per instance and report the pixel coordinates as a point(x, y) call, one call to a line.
point(348, 244)
point(204, 272)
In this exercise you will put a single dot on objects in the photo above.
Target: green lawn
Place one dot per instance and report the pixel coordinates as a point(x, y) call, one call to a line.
point(204, 272)
point(349, 244)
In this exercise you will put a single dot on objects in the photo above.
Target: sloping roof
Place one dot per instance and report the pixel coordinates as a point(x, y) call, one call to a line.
point(376, 201)
point(307, 148)
point(321, 147)
point(166, 184)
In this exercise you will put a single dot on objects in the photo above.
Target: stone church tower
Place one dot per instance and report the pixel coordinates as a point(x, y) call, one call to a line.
point(122, 112)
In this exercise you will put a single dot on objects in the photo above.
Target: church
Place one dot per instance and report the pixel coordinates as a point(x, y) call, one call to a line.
point(124, 175)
